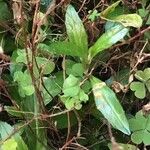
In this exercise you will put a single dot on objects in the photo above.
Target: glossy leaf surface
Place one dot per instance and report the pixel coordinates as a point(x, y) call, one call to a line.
point(108, 104)
point(109, 38)
point(76, 31)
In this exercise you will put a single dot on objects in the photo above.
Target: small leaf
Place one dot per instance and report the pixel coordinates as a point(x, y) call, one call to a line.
point(18, 75)
point(93, 15)
point(139, 89)
point(108, 104)
point(146, 137)
point(143, 75)
point(10, 144)
point(25, 86)
point(54, 87)
point(71, 86)
point(77, 70)
point(109, 38)
point(28, 90)
point(140, 127)
point(47, 66)
point(137, 137)
point(82, 96)
point(129, 20)
point(148, 85)
point(76, 32)
point(71, 91)
point(78, 106)
point(70, 82)
point(69, 103)
point(135, 122)
point(105, 14)
point(21, 58)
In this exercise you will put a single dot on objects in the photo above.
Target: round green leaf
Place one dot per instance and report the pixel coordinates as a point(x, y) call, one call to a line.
point(71, 91)
point(69, 103)
point(146, 137)
point(77, 69)
point(137, 137)
point(143, 75)
point(47, 66)
point(139, 89)
point(28, 90)
point(70, 82)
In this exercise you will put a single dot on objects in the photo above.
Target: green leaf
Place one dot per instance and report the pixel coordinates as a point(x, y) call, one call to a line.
point(71, 81)
point(21, 58)
point(71, 91)
point(25, 86)
point(77, 70)
point(10, 144)
point(44, 4)
point(141, 136)
point(78, 106)
point(47, 66)
point(6, 130)
point(54, 87)
point(129, 20)
point(135, 122)
point(28, 90)
point(146, 137)
point(109, 38)
point(139, 89)
point(140, 126)
point(93, 15)
point(108, 104)
point(109, 10)
point(76, 32)
point(148, 85)
point(13, 111)
point(68, 66)
point(137, 137)
point(82, 96)
point(143, 75)
point(60, 48)
point(4, 11)
point(71, 86)
point(62, 120)
point(69, 103)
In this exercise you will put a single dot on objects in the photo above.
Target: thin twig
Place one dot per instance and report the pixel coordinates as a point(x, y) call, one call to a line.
point(79, 123)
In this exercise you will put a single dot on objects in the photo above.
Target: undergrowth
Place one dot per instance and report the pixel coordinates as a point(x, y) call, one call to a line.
point(74, 75)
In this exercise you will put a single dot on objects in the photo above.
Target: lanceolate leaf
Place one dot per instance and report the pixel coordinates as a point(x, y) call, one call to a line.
point(108, 104)
point(105, 14)
point(109, 38)
point(76, 31)
point(127, 20)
